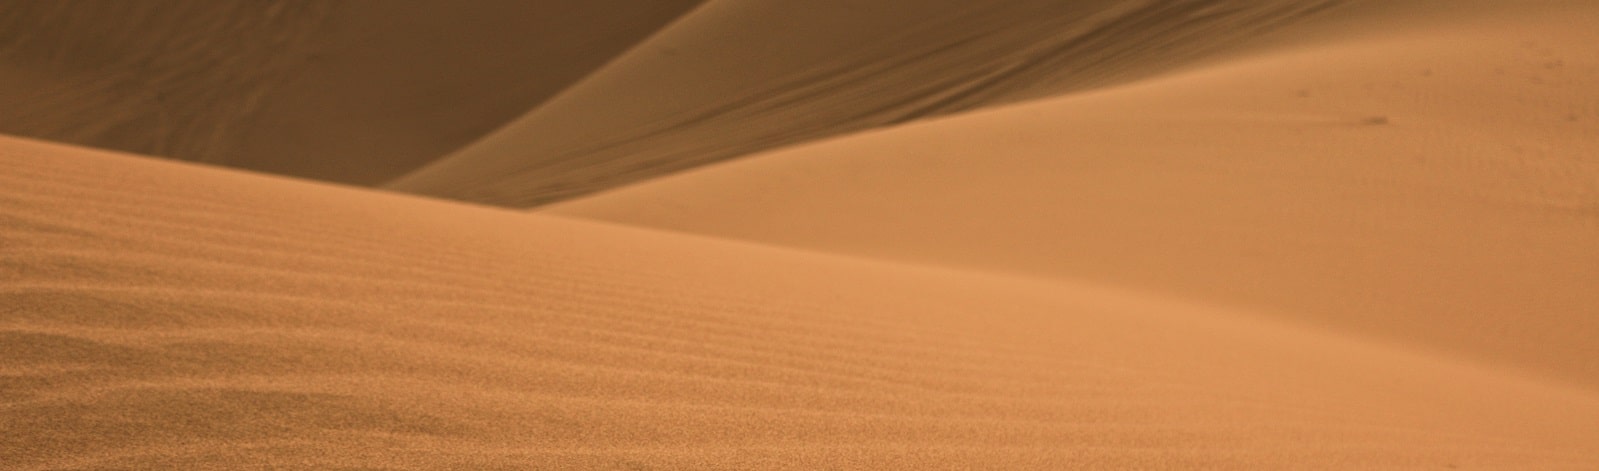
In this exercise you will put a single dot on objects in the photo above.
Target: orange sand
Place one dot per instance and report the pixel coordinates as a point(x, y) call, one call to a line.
point(162, 315)
point(1437, 184)
point(347, 91)
point(1120, 234)
point(735, 77)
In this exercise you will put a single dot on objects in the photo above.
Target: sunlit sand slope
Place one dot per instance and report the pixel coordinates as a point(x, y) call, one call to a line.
point(349, 91)
point(1437, 184)
point(735, 77)
point(159, 315)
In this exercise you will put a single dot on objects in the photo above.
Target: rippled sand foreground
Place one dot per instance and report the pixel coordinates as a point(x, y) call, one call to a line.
point(877, 234)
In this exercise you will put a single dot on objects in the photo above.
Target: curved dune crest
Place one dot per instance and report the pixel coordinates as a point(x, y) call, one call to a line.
point(156, 314)
point(1433, 184)
point(735, 77)
point(356, 92)
point(1366, 241)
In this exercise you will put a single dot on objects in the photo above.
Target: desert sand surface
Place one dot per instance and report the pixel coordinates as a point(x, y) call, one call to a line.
point(356, 92)
point(1435, 182)
point(866, 234)
point(735, 77)
point(162, 315)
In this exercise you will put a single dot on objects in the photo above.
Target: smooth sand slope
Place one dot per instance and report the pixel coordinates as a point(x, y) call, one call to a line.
point(348, 91)
point(735, 77)
point(1435, 182)
point(155, 314)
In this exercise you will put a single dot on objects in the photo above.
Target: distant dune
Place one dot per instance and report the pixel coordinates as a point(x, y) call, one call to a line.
point(347, 91)
point(831, 234)
point(1434, 183)
point(735, 77)
point(160, 315)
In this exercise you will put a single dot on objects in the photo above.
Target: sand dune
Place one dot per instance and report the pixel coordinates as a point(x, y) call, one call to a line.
point(1434, 183)
point(735, 77)
point(347, 91)
point(1184, 234)
point(161, 315)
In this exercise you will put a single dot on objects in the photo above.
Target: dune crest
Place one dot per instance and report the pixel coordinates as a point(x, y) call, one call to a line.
point(735, 77)
point(157, 314)
point(1433, 184)
point(1029, 234)
point(343, 91)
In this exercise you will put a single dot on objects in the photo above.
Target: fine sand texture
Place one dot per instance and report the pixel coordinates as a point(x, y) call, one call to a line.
point(356, 92)
point(1432, 182)
point(735, 77)
point(156, 314)
point(786, 234)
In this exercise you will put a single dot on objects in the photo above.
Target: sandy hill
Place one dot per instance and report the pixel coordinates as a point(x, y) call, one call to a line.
point(1370, 245)
point(735, 77)
point(1431, 181)
point(348, 91)
point(155, 314)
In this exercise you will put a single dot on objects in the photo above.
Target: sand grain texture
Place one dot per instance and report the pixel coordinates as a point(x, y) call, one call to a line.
point(157, 315)
point(1186, 234)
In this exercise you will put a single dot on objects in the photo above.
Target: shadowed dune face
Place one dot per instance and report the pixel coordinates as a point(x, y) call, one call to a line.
point(736, 77)
point(354, 92)
point(1434, 183)
point(158, 315)
point(1364, 235)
